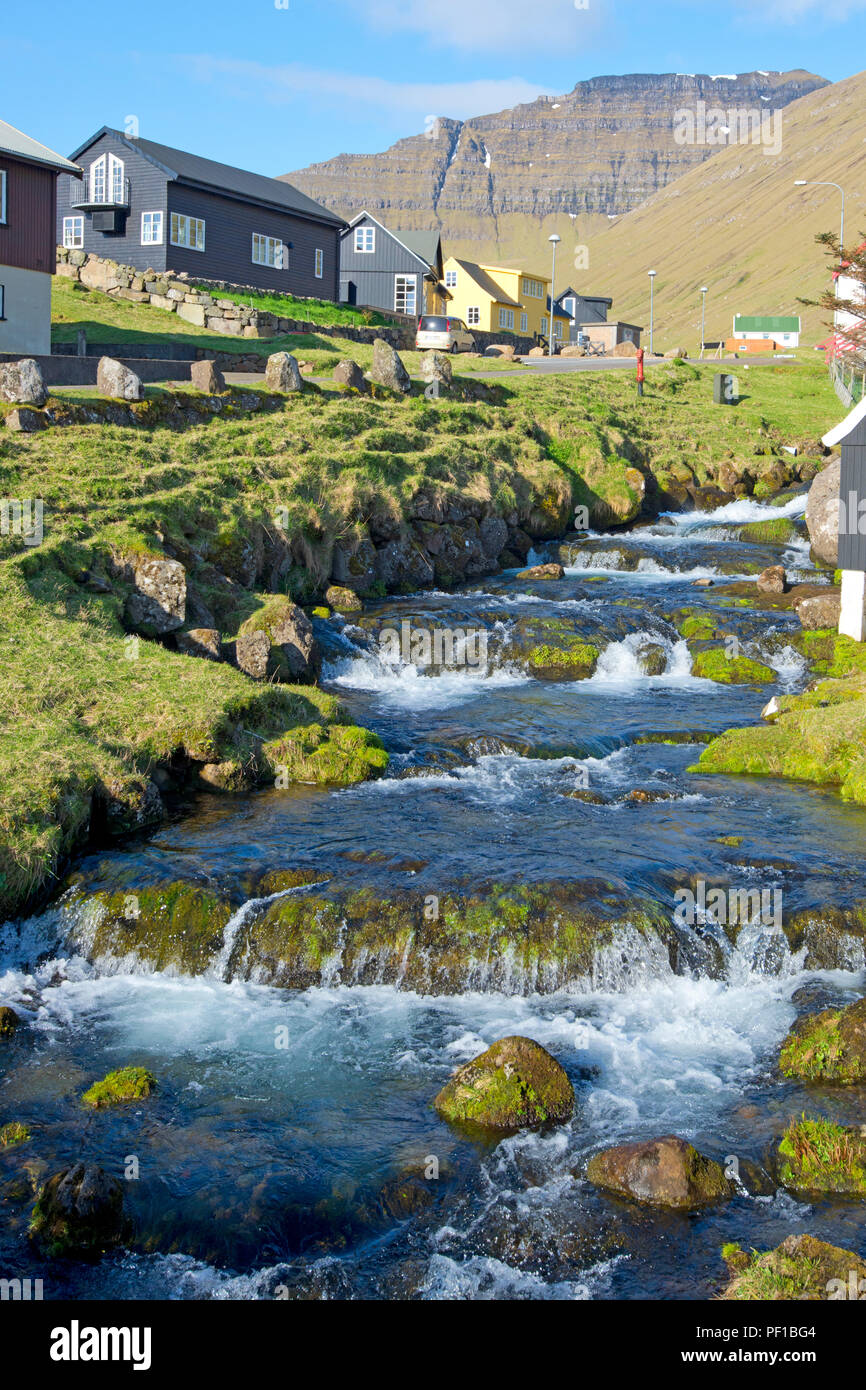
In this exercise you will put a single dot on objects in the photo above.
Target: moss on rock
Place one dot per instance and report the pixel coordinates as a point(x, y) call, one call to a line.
point(801, 1268)
point(119, 1087)
point(13, 1134)
point(666, 1172)
point(9, 1021)
point(818, 1155)
point(828, 1046)
point(714, 663)
point(515, 1084)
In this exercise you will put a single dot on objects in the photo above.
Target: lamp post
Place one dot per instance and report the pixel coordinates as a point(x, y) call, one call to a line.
point(652, 275)
point(704, 290)
point(554, 241)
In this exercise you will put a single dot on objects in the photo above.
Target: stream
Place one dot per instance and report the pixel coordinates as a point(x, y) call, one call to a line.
point(290, 1149)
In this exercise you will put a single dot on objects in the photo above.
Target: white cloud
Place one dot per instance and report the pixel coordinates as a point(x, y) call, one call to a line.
point(283, 83)
point(485, 25)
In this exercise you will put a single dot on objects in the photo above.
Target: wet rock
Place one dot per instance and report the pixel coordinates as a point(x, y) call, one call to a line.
point(562, 659)
point(200, 641)
point(828, 1046)
point(9, 1021)
point(157, 604)
point(822, 513)
point(120, 1087)
point(387, 368)
point(772, 580)
point(652, 658)
point(666, 1172)
point(21, 383)
point(818, 1155)
point(118, 382)
point(819, 611)
point(348, 373)
point(78, 1213)
point(513, 1085)
point(703, 584)
point(644, 796)
point(801, 1268)
point(207, 377)
point(716, 664)
point(550, 571)
point(282, 373)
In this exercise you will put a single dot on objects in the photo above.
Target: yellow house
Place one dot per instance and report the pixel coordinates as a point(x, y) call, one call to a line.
point(500, 300)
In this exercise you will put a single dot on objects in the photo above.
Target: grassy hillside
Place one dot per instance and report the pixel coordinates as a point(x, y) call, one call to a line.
point(738, 225)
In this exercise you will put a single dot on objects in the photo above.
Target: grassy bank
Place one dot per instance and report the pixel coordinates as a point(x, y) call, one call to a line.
point(84, 723)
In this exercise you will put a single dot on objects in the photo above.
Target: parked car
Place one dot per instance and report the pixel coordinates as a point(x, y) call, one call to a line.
point(446, 334)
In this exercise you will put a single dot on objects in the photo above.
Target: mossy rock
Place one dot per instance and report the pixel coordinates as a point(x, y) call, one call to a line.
point(666, 1172)
point(120, 1087)
point(801, 1268)
point(821, 1156)
point(828, 1046)
point(9, 1021)
point(776, 532)
point(695, 625)
point(13, 1134)
point(172, 924)
point(714, 664)
point(343, 600)
point(515, 1084)
point(567, 660)
point(78, 1214)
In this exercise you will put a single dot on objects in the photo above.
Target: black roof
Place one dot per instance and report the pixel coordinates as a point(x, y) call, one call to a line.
point(223, 178)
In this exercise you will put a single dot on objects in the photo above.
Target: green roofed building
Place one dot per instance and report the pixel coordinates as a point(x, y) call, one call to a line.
point(783, 329)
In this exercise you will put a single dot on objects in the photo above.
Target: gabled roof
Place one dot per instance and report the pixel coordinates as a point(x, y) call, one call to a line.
point(581, 294)
point(222, 178)
point(486, 283)
point(841, 432)
point(767, 323)
point(21, 146)
point(424, 246)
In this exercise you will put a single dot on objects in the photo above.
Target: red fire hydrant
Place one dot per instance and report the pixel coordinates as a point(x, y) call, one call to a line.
point(640, 371)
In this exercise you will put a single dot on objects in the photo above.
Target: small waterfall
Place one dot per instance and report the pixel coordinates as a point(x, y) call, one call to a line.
point(220, 968)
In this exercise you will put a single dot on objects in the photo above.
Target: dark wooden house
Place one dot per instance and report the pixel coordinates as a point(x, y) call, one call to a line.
point(394, 270)
point(28, 185)
point(155, 207)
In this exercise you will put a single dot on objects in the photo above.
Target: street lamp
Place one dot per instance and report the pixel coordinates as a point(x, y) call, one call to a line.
point(652, 275)
point(554, 241)
point(704, 290)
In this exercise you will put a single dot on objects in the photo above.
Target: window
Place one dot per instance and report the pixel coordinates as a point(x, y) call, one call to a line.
point(2, 301)
point(557, 329)
point(524, 323)
point(506, 318)
point(151, 229)
point(404, 294)
point(106, 180)
point(73, 232)
point(187, 231)
point(97, 180)
point(2, 195)
point(115, 178)
point(365, 239)
point(544, 323)
point(320, 263)
point(534, 288)
point(569, 307)
point(473, 316)
point(269, 250)
point(450, 279)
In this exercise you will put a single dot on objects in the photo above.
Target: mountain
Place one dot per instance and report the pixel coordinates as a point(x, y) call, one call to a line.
point(738, 225)
point(491, 184)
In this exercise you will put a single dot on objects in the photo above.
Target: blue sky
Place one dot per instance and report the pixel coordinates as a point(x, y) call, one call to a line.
point(273, 85)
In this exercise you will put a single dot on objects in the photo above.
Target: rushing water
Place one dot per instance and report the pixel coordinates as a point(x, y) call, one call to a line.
point(310, 1166)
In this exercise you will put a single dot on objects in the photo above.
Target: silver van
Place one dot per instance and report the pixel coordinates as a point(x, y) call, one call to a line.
point(444, 333)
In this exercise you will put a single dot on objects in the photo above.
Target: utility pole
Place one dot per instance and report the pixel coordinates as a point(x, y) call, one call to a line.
point(554, 241)
point(652, 275)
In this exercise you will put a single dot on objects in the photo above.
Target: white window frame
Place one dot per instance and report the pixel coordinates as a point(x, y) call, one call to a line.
point(156, 228)
point(473, 316)
point(524, 323)
point(410, 291)
point(365, 240)
point(116, 175)
point(73, 235)
point(320, 263)
point(569, 306)
point(533, 288)
point(451, 279)
point(2, 302)
point(544, 323)
point(4, 211)
point(181, 225)
point(98, 179)
point(506, 318)
point(557, 328)
point(269, 251)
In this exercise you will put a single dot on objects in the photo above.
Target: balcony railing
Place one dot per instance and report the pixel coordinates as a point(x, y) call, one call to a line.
point(85, 195)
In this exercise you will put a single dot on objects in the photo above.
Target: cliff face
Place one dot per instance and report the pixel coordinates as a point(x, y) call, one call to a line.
point(602, 149)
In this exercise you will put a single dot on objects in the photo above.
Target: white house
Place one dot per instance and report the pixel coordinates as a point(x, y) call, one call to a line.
point(782, 329)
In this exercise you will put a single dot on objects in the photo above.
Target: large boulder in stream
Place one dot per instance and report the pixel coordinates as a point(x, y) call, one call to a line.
point(822, 513)
point(78, 1213)
point(515, 1084)
point(666, 1172)
point(828, 1046)
point(9, 1021)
